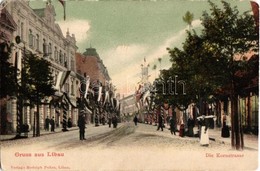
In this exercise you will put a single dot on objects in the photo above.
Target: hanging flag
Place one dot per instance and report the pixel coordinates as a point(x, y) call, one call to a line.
point(64, 77)
point(99, 93)
point(146, 94)
point(87, 86)
point(63, 4)
point(19, 62)
point(61, 79)
point(57, 85)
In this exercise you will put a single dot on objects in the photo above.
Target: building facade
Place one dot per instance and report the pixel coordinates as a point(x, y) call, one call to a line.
point(7, 28)
point(128, 105)
point(42, 36)
point(90, 64)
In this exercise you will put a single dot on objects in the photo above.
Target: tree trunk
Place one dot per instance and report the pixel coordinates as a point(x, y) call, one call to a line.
point(249, 113)
point(34, 124)
point(237, 133)
point(38, 117)
point(218, 111)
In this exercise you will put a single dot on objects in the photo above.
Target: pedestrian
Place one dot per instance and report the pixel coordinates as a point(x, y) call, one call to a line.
point(114, 121)
point(69, 123)
point(52, 123)
point(81, 125)
point(204, 133)
point(160, 122)
point(109, 121)
point(135, 120)
point(225, 129)
point(103, 120)
point(96, 120)
point(191, 125)
point(172, 125)
point(47, 123)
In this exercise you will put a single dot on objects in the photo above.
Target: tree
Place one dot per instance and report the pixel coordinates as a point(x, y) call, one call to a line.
point(7, 72)
point(154, 68)
point(7, 82)
point(229, 34)
point(188, 18)
point(207, 63)
point(37, 82)
point(160, 61)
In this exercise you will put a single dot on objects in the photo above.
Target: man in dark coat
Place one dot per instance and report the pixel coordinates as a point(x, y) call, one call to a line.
point(172, 125)
point(191, 125)
point(135, 120)
point(81, 125)
point(52, 123)
point(160, 122)
point(47, 123)
point(114, 121)
point(109, 121)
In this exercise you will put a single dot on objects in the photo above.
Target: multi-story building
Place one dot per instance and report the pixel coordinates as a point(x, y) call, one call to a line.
point(41, 35)
point(89, 63)
point(128, 105)
point(7, 27)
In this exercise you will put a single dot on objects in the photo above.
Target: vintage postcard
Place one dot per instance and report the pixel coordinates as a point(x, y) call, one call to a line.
point(129, 85)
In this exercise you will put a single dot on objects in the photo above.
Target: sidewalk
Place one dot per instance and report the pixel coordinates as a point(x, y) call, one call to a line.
point(30, 134)
point(250, 140)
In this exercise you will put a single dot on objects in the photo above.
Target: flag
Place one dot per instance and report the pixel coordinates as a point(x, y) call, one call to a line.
point(64, 77)
point(63, 4)
point(99, 93)
point(57, 85)
point(146, 94)
point(87, 86)
point(61, 79)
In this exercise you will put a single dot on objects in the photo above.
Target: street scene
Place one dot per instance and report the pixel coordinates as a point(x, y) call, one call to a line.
point(127, 147)
point(129, 85)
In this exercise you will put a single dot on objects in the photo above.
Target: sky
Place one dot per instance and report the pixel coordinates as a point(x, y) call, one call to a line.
point(126, 32)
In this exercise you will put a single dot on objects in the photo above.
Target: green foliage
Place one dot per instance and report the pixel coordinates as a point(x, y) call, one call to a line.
point(37, 80)
point(7, 72)
point(206, 62)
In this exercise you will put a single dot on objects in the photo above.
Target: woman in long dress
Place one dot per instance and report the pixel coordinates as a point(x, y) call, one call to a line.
point(204, 132)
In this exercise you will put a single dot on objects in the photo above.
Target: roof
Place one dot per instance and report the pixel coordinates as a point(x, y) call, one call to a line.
point(91, 52)
point(39, 12)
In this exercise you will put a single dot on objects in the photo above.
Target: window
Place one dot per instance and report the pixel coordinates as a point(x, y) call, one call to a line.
point(72, 87)
point(55, 54)
point(37, 42)
point(22, 30)
point(50, 50)
point(30, 39)
point(19, 28)
point(65, 61)
point(60, 58)
point(44, 48)
point(72, 65)
point(66, 87)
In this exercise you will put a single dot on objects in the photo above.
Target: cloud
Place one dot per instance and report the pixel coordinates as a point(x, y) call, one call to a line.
point(124, 61)
point(124, 54)
point(76, 26)
point(161, 50)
